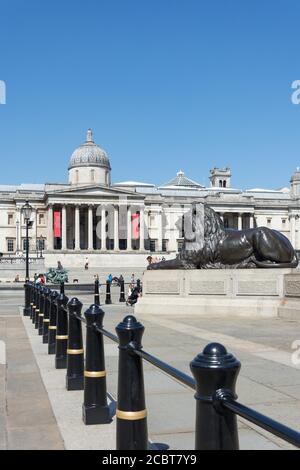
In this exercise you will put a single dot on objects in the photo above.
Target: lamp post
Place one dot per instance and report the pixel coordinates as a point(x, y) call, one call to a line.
point(26, 211)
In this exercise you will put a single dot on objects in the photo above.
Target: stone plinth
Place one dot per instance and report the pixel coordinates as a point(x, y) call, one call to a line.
point(242, 292)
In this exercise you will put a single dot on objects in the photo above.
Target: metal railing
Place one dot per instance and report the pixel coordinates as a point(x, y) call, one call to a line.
point(215, 372)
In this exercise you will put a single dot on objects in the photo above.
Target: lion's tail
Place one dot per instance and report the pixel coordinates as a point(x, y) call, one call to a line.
point(263, 264)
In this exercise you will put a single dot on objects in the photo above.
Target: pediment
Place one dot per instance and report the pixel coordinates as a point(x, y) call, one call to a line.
point(93, 192)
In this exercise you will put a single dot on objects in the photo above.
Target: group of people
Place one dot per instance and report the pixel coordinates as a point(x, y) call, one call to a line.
point(39, 278)
point(155, 259)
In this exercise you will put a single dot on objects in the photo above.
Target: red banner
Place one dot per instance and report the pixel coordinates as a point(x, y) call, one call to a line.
point(57, 225)
point(135, 219)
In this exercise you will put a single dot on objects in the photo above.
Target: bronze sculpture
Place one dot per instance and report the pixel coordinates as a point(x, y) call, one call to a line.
point(210, 245)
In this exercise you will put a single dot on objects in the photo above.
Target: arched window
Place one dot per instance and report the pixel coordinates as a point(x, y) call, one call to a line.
point(92, 176)
point(220, 183)
point(76, 176)
point(224, 184)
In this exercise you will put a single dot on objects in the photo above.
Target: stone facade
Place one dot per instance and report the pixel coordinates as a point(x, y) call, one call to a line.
point(91, 216)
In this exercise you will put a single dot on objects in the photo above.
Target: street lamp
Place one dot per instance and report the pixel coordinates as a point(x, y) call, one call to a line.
point(26, 211)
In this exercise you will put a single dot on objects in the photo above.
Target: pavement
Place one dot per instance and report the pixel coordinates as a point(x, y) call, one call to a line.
point(36, 412)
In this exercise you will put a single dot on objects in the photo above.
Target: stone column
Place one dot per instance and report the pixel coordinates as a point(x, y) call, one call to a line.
point(160, 232)
point(251, 220)
point(77, 228)
point(129, 234)
point(142, 229)
point(297, 236)
point(116, 228)
point(240, 221)
point(50, 237)
point(63, 228)
point(103, 229)
point(90, 229)
point(292, 229)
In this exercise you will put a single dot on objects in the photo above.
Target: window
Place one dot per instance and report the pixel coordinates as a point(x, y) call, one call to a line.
point(283, 223)
point(41, 244)
point(164, 245)
point(152, 245)
point(10, 219)
point(10, 245)
point(41, 219)
point(224, 184)
point(24, 244)
point(220, 183)
point(92, 176)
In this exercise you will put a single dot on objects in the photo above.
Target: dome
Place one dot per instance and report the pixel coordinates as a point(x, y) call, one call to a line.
point(182, 180)
point(89, 154)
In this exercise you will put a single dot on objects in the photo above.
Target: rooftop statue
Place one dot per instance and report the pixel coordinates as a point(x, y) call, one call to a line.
point(208, 244)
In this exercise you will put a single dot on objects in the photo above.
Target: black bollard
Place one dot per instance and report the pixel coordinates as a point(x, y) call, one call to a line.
point(46, 318)
point(26, 310)
point(62, 287)
point(52, 322)
point(75, 366)
point(41, 310)
point(61, 337)
point(122, 291)
point(108, 294)
point(132, 433)
point(32, 293)
point(95, 409)
point(34, 307)
point(97, 294)
point(138, 285)
point(215, 372)
point(38, 306)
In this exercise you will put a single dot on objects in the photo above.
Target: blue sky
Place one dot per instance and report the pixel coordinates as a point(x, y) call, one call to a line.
point(165, 85)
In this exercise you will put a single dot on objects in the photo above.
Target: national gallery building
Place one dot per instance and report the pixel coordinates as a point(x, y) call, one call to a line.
point(119, 224)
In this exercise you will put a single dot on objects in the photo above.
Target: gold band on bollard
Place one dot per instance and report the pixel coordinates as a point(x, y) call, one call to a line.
point(37, 310)
point(74, 351)
point(100, 373)
point(52, 327)
point(31, 304)
point(46, 320)
point(61, 336)
point(41, 314)
point(131, 415)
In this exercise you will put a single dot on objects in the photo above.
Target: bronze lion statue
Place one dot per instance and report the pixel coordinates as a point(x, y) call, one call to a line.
point(218, 247)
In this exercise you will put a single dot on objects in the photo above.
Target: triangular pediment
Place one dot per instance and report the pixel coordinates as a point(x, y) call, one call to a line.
point(92, 191)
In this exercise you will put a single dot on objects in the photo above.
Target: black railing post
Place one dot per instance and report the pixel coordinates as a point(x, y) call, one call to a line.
point(38, 306)
point(122, 291)
point(108, 293)
point(34, 307)
point(32, 294)
point(132, 433)
point(138, 284)
point(41, 310)
point(52, 322)
point(215, 372)
point(95, 409)
point(75, 366)
point(46, 318)
point(62, 287)
point(97, 294)
point(26, 310)
point(61, 336)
